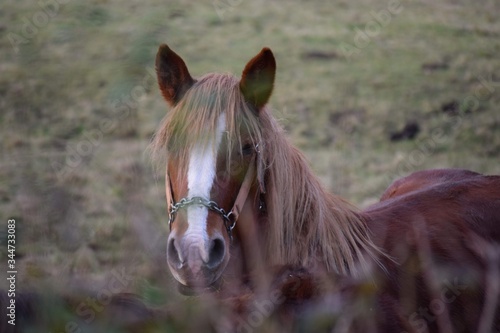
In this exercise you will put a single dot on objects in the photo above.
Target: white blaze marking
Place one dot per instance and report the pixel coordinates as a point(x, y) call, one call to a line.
point(201, 175)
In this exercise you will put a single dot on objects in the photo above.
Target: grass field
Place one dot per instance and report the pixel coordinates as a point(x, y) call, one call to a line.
point(79, 104)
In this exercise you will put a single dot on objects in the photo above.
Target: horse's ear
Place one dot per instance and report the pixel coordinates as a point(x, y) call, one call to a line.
point(173, 76)
point(257, 80)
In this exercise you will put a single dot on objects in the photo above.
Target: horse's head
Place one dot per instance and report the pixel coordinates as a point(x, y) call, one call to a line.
point(212, 136)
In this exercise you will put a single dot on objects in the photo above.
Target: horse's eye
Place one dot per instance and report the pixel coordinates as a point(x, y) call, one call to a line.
point(247, 149)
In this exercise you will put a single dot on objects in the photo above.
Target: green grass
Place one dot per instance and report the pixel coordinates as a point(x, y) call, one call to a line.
point(71, 74)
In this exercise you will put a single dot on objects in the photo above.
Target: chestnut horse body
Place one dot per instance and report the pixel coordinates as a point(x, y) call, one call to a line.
point(243, 201)
point(447, 223)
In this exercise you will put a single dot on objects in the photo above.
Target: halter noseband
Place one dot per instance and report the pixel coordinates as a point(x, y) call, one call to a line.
point(230, 217)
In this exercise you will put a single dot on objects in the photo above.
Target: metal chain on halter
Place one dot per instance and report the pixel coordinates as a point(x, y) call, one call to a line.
point(229, 222)
point(230, 217)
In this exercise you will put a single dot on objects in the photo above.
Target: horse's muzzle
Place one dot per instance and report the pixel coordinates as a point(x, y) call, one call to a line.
point(196, 262)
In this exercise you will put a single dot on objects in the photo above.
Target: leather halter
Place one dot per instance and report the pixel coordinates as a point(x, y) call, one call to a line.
point(230, 217)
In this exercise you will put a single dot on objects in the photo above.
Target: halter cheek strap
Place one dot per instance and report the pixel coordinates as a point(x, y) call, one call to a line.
point(242, 196)
point(229, 218)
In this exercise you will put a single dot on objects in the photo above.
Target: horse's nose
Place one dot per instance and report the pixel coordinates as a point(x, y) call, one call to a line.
point(216, 252)
point(174, 256)
point(196, 260)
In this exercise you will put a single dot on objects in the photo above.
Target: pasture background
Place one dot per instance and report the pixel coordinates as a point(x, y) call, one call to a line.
point(74, 171)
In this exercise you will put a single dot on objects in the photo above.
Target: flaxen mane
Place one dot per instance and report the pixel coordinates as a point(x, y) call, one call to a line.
point(305, 223)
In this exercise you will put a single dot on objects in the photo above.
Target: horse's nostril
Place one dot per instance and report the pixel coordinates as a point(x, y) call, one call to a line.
point(173, 253)
point(216, 253)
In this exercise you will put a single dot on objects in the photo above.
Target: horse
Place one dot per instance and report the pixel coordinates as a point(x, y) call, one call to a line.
point(243, 202)
point(425, 178)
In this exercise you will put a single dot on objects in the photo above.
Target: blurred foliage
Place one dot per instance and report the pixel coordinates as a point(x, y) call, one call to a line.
point(73, 132)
